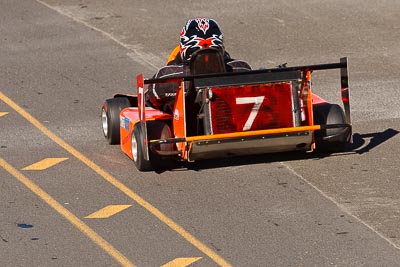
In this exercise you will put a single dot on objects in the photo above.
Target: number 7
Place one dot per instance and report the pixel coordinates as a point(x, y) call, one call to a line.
point(257, 101)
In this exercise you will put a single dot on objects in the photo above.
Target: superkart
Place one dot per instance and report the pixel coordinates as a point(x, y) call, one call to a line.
point(218, 114)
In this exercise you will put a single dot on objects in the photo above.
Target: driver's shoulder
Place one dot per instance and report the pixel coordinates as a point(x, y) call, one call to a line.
point(238, 65)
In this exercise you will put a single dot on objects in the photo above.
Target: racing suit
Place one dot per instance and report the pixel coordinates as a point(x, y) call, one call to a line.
point(162, 96)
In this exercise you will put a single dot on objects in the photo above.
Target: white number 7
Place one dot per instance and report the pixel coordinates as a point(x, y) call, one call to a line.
point(257, 101)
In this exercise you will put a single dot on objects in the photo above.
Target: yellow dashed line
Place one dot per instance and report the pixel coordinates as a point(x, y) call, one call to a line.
point(115, 182)
point(44, 164)
point(67, 215)
point(181, 262)
point(107, 211)
point(3, 114)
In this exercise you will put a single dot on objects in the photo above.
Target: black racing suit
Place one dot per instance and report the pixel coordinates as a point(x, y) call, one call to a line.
point(161, 96)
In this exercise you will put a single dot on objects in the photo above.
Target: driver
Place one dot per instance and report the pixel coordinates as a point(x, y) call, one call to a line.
point(196, 34)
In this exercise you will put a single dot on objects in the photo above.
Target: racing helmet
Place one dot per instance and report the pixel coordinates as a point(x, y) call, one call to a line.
point(200, 33)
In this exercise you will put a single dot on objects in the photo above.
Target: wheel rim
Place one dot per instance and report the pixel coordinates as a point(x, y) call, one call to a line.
point(134, 148)
point(104, 121)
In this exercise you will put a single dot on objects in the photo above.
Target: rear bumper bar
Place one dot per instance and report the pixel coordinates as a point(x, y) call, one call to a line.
point(260, 141)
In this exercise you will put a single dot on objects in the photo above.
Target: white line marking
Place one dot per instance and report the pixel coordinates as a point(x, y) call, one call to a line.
point(140, 55)
point(340, 206)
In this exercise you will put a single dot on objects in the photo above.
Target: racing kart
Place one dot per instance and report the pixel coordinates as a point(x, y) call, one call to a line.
point(223, 114)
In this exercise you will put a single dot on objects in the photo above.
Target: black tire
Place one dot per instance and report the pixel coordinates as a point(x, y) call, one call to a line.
point(335, 139)
point(138, 150)
point(155, 130)
point(110, 118)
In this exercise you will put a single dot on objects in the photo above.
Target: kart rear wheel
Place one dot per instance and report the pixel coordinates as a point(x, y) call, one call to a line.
point(335, 139)
point(138, 151)
point(160, 130)
point(110, 118)
point(155, 130)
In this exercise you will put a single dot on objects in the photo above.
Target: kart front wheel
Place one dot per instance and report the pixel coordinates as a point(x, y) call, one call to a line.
point(110, 118)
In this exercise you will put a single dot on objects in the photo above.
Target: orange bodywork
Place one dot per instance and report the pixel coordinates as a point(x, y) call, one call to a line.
point(249, 113)
point(179, 119)
point(129, 117)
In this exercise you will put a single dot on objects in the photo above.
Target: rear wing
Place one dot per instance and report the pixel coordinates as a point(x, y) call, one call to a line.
point(265, 76)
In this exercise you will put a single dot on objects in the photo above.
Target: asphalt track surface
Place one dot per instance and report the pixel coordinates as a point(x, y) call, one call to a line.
point(59, 60)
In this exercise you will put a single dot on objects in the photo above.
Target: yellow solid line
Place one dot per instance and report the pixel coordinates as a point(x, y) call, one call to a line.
point(123, 188)
point(44, 164)
point(181, 262)
point(3, 114)
point(107, 211)
point(67, 214)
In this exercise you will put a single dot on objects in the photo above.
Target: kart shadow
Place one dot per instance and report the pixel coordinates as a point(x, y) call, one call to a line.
point(248, 160)
point(362, 143)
